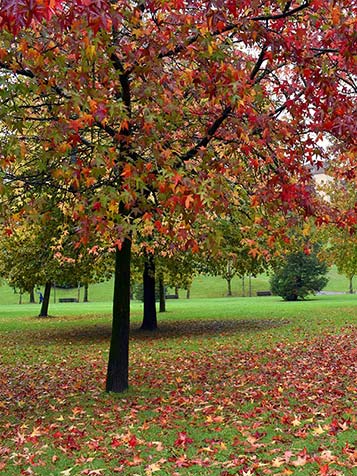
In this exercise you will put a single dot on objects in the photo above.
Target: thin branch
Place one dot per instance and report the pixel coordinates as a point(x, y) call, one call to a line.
point(325, 50)
point(284, 14)
point(209, 135)
point(259, 62)
point(22, 71)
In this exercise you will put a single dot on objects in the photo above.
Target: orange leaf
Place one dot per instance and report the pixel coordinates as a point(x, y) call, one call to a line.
point(127, 172)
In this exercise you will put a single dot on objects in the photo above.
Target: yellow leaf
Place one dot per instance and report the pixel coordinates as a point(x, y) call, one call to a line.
point(67, 472)
point(152, 468)
point(36, 432)
point(296, 422)
point(277, 462)
point(91, 52)
point(318, 430)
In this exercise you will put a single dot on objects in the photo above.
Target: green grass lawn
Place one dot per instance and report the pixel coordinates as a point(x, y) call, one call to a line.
point(202, 287)
point(226, 387)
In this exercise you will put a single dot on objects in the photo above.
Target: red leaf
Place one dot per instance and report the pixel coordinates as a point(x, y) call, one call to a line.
point(133, 441)
point(324, 470)
point(183, 440)
point(96, 206)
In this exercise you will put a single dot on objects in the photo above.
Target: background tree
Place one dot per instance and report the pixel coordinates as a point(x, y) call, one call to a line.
point(240, 251)
point(20, 259)
point(298, 275)
point(341, 241)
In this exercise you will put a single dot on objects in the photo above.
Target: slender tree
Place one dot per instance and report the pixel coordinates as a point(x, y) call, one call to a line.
point(46, 300)
point(149, 318)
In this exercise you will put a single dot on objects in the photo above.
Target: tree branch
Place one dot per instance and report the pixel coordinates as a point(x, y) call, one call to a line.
point(21, 71)
point(210, 133)
point(284, 14)
point(259, 62)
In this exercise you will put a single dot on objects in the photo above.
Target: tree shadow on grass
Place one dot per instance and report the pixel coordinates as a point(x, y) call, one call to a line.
point(167, 330)
point(207, 327)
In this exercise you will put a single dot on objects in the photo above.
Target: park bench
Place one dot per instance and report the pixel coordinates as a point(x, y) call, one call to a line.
point(67, 300)
point(264, 293)
point(171, 296)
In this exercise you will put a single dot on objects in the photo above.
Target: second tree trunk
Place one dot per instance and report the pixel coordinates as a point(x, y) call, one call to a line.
point(149, 317)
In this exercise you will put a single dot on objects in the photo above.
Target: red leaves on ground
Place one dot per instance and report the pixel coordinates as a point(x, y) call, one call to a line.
point(275, 411)
point(183, 440)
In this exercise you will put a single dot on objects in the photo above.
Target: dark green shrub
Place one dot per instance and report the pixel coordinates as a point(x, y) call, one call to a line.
point(298, 275)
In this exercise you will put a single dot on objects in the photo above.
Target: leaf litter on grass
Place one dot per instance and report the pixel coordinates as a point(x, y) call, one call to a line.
point(214, 410)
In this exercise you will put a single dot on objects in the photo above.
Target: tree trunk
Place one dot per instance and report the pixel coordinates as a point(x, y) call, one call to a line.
point(351, 284)
point(188, 292)
point(149, 318)
point(229, 278)
point(229, 287)
point(32, 296)
point(46, 301)
point(118, 364)
point(162, 294)
point(85, 297)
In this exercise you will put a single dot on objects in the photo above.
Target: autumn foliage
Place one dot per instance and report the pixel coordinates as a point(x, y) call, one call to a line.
point(137, 114)
point(182, 101)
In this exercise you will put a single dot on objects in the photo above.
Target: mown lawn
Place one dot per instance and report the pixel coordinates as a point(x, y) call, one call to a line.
point(203, 286)
point(226, 387)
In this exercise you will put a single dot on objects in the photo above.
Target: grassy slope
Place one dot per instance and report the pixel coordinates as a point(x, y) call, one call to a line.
point(202, 287)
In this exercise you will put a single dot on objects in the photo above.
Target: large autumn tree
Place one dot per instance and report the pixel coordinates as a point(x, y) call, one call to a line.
point(139, 111)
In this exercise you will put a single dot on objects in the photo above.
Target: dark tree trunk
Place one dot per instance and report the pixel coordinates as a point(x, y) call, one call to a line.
point(46, 301)
point(351, 285)
point(229, 286)
point(188, 292)
point(85, 297)
point(149, 318)
point(228, 277)
point(162, 294)
point(118, 364)
point(78, 292)
point(32, 296)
